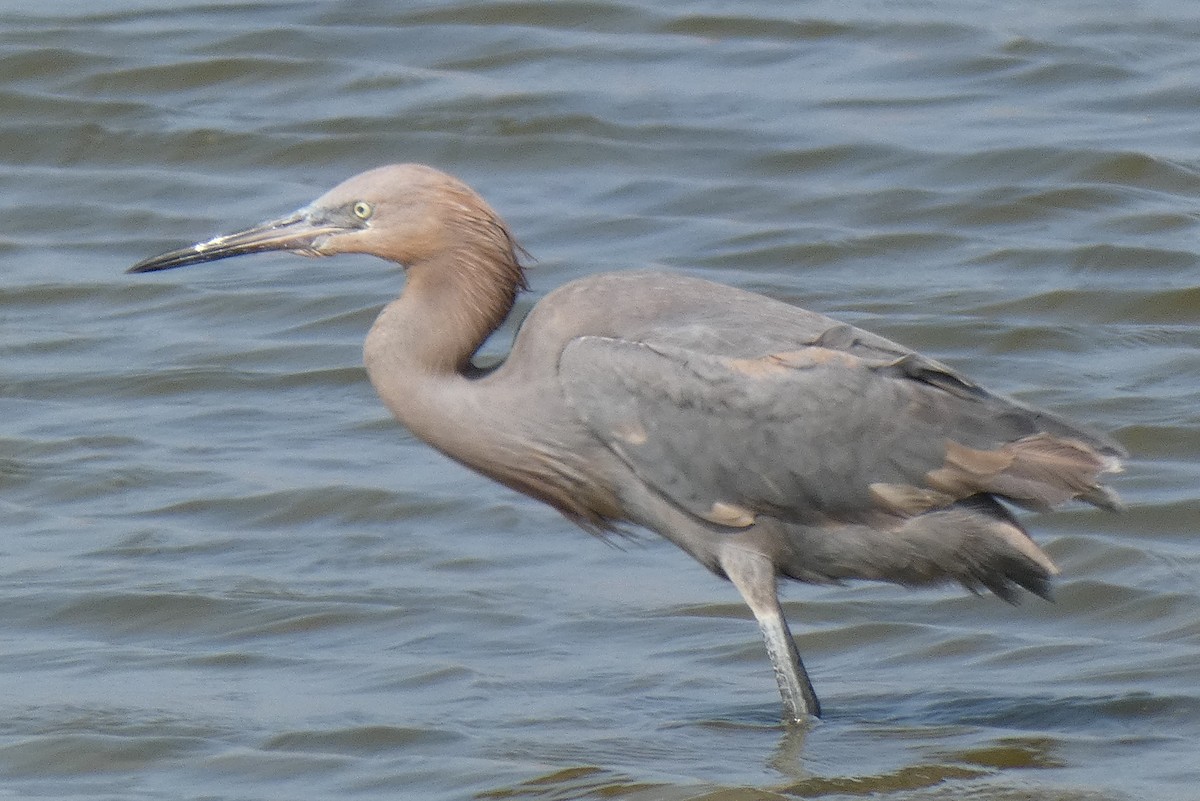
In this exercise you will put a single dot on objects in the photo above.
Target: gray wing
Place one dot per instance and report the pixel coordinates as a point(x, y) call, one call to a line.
point(841, 427)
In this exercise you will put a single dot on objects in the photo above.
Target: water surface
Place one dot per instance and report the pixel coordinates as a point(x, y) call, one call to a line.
point(227, 574)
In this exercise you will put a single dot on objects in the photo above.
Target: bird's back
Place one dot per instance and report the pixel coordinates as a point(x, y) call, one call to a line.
point(753, 415)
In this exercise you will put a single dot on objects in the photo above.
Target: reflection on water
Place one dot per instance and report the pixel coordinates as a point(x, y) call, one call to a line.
point(944, 775)
point(226, 572)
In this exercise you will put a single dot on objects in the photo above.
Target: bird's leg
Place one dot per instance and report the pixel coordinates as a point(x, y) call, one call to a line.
point(799, 697)
point(754, 576)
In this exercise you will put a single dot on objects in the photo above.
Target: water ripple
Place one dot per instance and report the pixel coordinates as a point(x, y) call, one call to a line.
point(226, 569)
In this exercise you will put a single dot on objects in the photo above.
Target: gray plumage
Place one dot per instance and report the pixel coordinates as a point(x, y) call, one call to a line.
point(762, 439)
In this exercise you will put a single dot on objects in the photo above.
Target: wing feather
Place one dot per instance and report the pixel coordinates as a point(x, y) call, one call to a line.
point(842, 427)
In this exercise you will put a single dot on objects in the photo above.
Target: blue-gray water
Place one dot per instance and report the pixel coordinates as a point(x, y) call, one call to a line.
point(225, 573)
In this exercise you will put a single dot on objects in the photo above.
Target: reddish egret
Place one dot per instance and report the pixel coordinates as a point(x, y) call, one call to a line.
point(762, 439)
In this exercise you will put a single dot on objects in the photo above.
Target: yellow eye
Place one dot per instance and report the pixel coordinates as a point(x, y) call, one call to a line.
point(363, 210)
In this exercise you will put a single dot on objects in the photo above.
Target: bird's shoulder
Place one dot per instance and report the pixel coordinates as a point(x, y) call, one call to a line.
point(677, 311)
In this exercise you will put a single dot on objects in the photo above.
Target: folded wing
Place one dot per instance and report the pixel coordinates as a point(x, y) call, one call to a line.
point(843, 426)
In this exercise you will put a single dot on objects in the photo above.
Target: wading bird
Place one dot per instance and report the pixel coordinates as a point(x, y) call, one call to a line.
point(764, 440)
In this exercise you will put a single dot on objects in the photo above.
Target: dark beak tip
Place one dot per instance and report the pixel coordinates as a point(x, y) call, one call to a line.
point(163, 261)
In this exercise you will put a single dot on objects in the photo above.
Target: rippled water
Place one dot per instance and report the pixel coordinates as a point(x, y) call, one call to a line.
point(226, 574)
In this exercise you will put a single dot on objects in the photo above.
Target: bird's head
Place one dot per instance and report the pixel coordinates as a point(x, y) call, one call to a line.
point(406, 213)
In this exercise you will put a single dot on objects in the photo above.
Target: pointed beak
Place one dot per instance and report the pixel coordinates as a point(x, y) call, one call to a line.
point(302, 232)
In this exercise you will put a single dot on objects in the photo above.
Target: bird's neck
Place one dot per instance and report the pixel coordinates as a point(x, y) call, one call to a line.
point(417, 356)
point(448, 308)
point(419, 350)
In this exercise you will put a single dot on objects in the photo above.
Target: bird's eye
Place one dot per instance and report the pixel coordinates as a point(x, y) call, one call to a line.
point(363, 210)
